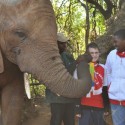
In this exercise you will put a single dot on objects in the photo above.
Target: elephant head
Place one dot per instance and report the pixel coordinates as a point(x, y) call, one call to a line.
point(28, 38)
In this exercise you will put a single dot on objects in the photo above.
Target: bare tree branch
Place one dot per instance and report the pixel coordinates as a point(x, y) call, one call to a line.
point(82, 4)
point(106, 13)
point(87, 29)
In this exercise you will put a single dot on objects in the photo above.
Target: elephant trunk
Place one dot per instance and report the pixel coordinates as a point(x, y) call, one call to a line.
point(46, 65)
point(64, 84)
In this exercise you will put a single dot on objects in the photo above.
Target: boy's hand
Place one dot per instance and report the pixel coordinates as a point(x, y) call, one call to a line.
point(78, 115)
point(106, 113)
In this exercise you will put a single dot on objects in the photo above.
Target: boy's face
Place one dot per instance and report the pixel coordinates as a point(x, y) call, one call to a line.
point(94, 52)
point(119, 43)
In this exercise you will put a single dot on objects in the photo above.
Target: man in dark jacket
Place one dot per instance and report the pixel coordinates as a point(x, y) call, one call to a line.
point(62, 108)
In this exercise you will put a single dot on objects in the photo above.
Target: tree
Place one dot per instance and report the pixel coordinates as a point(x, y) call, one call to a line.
point(88, 21)
point(113, 24)
point(75, 19)
point(105, 9)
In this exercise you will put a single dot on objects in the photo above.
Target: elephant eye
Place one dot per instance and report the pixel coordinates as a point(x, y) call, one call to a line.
point(21, 35)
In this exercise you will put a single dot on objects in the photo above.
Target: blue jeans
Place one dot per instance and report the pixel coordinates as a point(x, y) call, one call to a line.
point(118, 114)
point(92, 117)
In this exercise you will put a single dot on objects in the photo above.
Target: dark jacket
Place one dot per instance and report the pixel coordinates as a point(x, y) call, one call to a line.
point(70, 65)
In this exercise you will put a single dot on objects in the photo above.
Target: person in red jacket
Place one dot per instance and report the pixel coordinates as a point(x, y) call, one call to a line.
point(92, 106)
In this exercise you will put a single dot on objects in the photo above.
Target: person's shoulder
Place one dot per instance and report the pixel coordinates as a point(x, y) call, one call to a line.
point(63, 54)
point(102, 65)
point(67, 54)
point(113, 52)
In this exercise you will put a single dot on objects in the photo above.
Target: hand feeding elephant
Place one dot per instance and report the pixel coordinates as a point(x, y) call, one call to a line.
point(28, 38)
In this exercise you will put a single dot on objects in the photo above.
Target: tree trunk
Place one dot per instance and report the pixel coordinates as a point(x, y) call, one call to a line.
point(113, 24)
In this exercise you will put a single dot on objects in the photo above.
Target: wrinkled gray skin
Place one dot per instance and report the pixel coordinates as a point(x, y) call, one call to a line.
point(28, 38)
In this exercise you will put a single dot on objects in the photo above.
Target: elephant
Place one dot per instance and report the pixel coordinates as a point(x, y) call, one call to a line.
point(28, 43)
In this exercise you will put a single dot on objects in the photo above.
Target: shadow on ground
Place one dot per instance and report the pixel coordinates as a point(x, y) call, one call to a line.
point(36, 112)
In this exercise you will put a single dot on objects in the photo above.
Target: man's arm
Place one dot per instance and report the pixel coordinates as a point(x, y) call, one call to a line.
point(69, 62)
point(107, 78)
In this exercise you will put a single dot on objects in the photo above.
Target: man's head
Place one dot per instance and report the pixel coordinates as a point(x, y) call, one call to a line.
point(62, 42)
point(119, 40)
point(93, 49)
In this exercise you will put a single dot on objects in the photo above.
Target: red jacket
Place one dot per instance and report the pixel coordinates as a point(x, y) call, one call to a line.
point(94, 97)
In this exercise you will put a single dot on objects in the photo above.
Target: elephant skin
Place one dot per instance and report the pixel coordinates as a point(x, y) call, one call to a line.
point(28, 43)
point(12, 93)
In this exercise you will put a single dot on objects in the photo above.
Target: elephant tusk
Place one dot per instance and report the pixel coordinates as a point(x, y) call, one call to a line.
point(27, 85)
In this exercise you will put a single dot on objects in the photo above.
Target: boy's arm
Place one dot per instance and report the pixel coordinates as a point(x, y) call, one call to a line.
point(105, 99)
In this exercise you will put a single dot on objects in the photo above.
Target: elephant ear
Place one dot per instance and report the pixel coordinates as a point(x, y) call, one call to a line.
point(1, 63)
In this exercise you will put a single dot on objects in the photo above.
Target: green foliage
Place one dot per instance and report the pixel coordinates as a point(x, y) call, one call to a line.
point(37, 89)
point(71, 20)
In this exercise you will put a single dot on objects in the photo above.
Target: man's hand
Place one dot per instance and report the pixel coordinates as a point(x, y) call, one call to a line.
point(78, 115)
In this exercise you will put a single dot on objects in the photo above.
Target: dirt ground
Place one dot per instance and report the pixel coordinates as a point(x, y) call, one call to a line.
point(37, 112)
